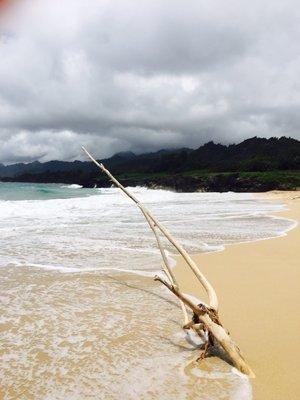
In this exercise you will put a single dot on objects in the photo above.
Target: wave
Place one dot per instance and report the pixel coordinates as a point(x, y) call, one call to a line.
point(105, 230)
point(71, 270)
point(72, 186)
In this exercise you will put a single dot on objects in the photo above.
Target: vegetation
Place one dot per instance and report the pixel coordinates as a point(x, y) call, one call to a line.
point(256, 164)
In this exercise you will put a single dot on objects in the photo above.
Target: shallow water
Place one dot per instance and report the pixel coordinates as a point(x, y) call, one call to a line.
point(92, 332)
point(100, 336)
point(104, 229)
point(17, 191)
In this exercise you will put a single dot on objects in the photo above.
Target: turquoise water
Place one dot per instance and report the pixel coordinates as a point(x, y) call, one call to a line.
point(15, 191)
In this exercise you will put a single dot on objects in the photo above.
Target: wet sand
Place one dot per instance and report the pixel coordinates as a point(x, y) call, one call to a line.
point(100, 336)
point(258, 285)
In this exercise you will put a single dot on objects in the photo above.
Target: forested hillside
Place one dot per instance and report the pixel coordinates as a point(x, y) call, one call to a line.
point(255, 163)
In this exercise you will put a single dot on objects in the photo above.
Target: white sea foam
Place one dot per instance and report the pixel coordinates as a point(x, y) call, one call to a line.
point(72, 186)
point(80, 338)
point(107, 231)
point(70, 270)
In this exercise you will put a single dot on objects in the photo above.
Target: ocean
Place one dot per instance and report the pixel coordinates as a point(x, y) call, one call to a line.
point(81, 319)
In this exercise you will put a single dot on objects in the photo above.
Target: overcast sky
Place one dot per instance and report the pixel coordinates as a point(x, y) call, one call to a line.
point(144, 75)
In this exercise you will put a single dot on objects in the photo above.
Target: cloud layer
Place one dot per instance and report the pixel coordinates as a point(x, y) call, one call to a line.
point(142, 75)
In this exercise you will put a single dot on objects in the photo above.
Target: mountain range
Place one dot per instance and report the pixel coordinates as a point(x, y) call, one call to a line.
point(273, 157)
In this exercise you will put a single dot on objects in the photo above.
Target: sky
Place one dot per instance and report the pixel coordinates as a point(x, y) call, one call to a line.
point(144, 75)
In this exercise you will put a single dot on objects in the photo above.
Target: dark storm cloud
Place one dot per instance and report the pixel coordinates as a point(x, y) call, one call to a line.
point(141, 75)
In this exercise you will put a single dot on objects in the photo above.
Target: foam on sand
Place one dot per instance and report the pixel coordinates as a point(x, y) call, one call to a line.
point(80, 336)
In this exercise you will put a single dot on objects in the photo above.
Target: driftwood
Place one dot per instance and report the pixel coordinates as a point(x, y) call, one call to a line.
point(166, 268)
point(205, 321)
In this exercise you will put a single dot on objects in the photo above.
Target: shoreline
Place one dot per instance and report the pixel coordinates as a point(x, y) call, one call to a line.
point(55, 306)
point(263, 327)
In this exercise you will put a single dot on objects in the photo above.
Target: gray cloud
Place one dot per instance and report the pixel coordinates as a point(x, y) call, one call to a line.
point(141, 75)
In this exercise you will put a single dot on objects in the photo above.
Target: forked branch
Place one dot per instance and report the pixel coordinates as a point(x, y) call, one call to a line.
point(212, 296)
point(207, 316)
point(167, 268)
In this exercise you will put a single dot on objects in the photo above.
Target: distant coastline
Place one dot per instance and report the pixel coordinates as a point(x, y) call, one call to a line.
point(254, 165)
point(192, 181)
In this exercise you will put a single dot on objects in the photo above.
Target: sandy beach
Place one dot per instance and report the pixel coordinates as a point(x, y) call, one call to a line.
point(77, 333)
point(258, 285)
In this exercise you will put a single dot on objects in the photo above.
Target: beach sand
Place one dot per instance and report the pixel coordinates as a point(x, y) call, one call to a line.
point(258, 285)
point(100, 336)
point(79, 335)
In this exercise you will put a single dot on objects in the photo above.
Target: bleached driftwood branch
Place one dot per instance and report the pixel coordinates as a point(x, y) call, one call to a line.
point(167, 268)
point(212, 296)
point(207, 316)
point(210, 320)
